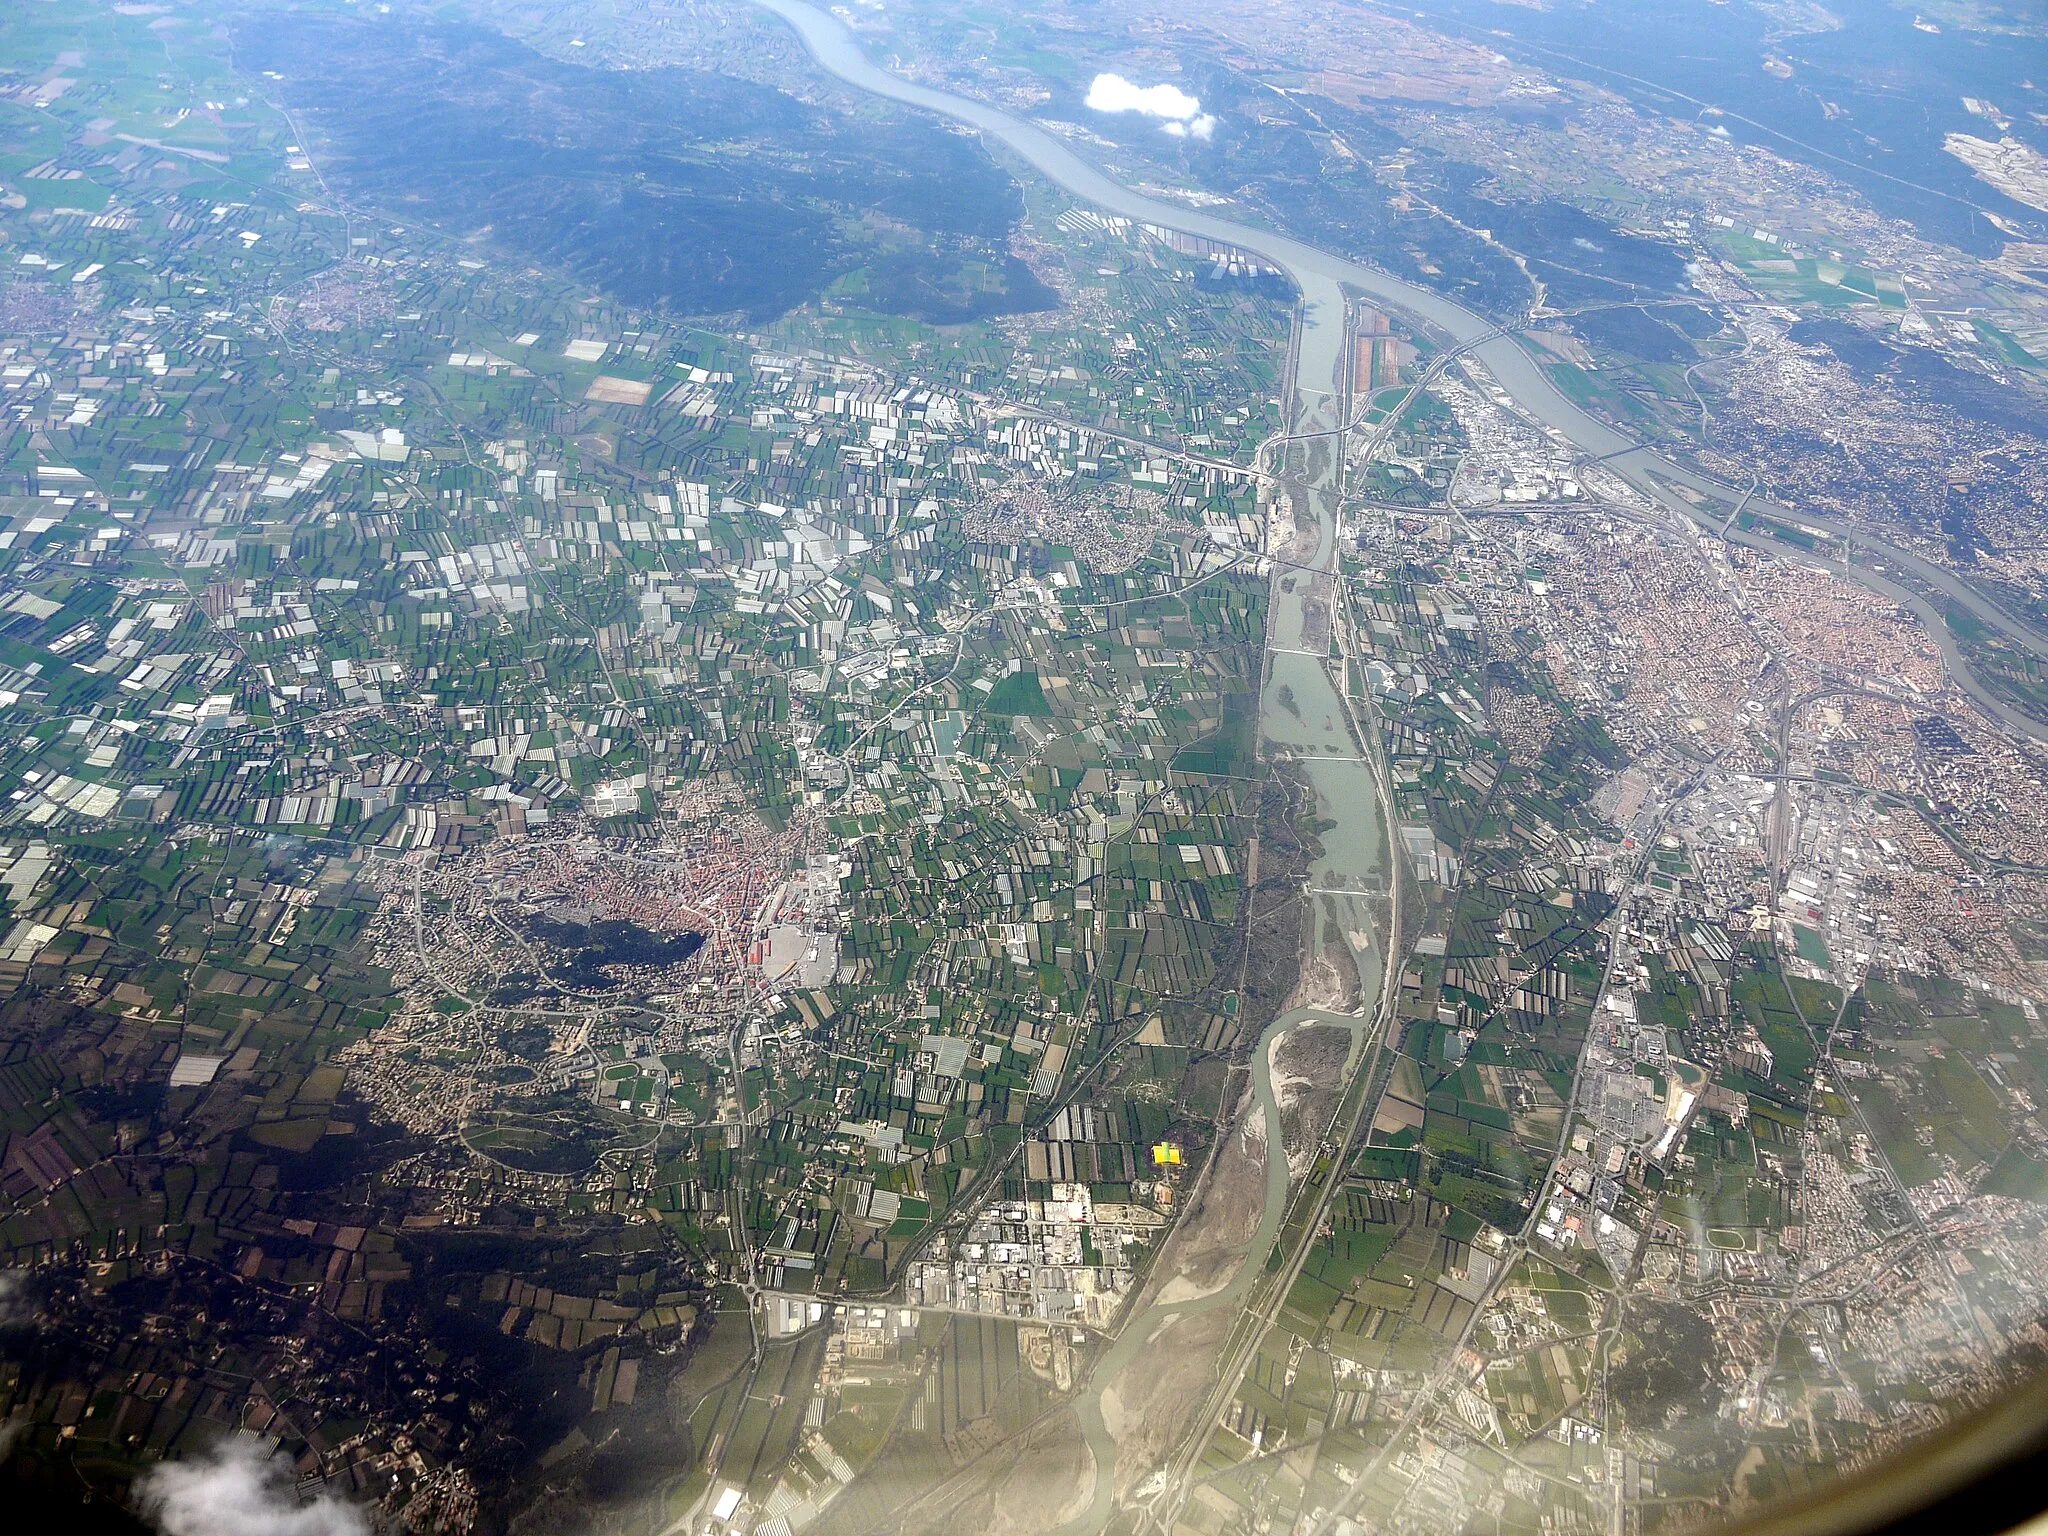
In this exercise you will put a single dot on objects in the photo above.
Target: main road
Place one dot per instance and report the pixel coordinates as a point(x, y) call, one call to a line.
point(1321, 277)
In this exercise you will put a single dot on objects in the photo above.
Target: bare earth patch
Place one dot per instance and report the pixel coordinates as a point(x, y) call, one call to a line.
point(607, 390)
point(1151, 1405)
point(1308, 1077)
point(1209, 1243)
point(1046, 1484)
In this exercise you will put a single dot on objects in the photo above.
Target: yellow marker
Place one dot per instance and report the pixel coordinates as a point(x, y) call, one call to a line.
point(1166, 1155)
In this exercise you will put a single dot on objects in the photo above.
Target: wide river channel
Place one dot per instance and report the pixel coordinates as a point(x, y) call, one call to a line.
point(1301, 714)
point(1322, 278)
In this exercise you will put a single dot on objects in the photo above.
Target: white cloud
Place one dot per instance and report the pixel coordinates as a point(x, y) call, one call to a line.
point(237, 1488)
point(1113, 93)
point(1181, 114)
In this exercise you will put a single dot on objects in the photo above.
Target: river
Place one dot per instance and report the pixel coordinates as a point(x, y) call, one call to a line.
point(1302, 716)
point(1143, 1326)
point(1322, 278)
